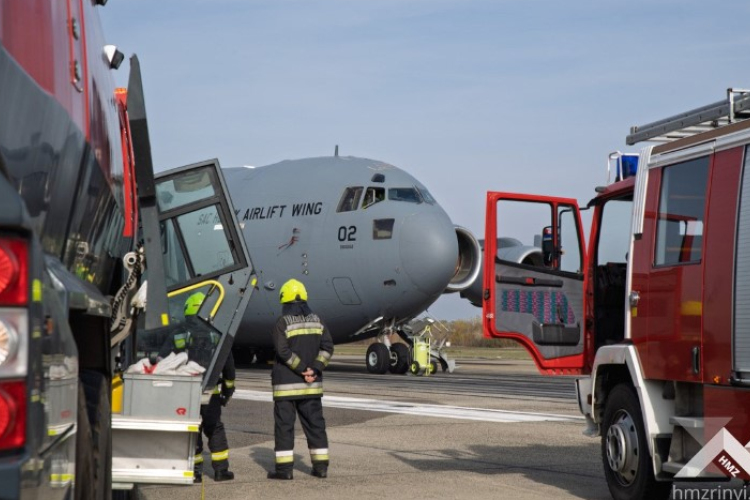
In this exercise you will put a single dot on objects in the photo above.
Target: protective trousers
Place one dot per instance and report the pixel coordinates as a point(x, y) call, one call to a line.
point(311, 417)
point(213, 428)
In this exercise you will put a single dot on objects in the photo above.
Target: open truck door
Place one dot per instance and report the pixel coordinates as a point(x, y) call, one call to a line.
point(538, 301)
point(202, 252)
point(191, 245)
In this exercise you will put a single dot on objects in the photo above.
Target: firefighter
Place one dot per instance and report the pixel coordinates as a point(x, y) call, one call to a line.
point(303, 349)
point(211, 424)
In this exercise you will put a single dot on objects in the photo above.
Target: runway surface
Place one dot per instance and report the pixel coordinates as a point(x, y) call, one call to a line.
point(492, 429)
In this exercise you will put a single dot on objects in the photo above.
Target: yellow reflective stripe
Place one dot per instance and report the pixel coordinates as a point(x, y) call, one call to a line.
point(318, 458)
point(187, 473)
point(198, 459)
point(216, 390)
point(229, 383)
point(322, 359)
point(293, 362)
point(285, 460)
point(180, 340)
point(36, 290)
point(298, 392)
point(220, 455)
point(61, 478)
point(304, 331)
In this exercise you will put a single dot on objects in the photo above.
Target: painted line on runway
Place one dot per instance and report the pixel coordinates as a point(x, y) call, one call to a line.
point(424, 410)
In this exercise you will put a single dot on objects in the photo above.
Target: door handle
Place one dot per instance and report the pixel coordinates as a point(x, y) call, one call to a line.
point(634, 298)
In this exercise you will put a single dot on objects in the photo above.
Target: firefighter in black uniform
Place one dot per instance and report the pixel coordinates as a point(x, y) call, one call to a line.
point(211, 424)
point(303, 349)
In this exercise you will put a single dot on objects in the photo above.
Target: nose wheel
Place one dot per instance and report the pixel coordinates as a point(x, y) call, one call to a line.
point(378, 358)
point(400, 358)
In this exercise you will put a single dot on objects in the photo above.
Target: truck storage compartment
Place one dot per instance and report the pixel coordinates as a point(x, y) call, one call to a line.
point(153, 439)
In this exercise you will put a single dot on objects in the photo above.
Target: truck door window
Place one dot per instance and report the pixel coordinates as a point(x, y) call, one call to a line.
point(175, 265)
point(570, 253)
point(614, 232)
point(526, 233)
point(207, 252)
point(682, 202)
point(186, 189)
point(610, 277)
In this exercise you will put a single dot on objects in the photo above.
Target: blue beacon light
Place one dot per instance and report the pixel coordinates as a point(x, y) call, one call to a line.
point(627, 166)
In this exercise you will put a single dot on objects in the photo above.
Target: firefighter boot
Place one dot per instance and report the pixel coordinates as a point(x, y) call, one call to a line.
point(197, 477)
point(320, 470)
point(283, 474)
point(223, 475)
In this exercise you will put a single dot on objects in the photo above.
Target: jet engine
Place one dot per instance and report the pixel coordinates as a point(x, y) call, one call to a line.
point(469, 261)
point(509, 249)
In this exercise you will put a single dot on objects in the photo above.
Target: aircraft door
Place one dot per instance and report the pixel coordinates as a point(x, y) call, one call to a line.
point(203, 252)
point(539, 301)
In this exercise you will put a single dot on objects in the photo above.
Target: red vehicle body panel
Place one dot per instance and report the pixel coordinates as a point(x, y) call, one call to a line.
point(721, 223)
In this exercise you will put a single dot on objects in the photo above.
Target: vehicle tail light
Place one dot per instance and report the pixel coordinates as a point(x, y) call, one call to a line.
point(14, 257)
point(12, 415)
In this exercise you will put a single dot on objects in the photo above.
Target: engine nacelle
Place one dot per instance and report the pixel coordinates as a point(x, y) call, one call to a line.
point(469, 263)
point(509, 249)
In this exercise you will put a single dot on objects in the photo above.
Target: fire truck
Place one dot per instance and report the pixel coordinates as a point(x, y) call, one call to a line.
point(652, 317)
point(97, 258)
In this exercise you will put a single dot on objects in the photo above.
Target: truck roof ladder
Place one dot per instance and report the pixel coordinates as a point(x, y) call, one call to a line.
point(735, 108)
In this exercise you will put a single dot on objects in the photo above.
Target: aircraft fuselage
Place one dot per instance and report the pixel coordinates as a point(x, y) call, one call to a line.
point(366, 239)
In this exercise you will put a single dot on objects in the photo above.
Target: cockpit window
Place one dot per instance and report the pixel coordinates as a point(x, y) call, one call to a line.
point(350, 199)
point(410, 195)
point(382, 229)
point(373, 195)
point(426, 196)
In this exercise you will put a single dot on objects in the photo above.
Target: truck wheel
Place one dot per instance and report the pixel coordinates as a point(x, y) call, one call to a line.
point(97, 390)
point(378, 358)
point(400, 359)
point(627, 462)
point(84, 473)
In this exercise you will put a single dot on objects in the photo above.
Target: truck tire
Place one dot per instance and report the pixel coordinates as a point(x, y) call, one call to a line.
point(378, 358)
point(627, 463)
point(400, 359)
point(84, 472)
point(97, 390)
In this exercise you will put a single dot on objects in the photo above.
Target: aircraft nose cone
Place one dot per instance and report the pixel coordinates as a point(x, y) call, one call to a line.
point(429, 251)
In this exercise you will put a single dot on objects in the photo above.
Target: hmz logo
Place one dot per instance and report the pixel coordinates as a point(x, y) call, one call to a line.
point(726, 462)
point(723, 454)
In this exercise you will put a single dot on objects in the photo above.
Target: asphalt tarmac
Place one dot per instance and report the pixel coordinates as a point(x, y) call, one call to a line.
point(490, 430)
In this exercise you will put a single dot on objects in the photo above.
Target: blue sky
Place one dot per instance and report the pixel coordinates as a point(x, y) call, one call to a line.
point(466, 95)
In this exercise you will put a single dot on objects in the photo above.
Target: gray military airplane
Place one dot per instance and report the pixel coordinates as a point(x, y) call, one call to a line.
point(370, 243)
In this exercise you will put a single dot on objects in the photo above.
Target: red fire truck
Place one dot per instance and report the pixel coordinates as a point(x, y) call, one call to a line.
point(653, 316)
point(83, 222)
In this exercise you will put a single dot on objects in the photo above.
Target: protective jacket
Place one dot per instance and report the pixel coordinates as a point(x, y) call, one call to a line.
point(301, 341)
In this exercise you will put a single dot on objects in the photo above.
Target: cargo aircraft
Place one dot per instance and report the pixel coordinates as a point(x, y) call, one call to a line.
point(368, 240)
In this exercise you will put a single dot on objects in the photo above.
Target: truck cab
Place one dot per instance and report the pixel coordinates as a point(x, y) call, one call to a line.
point(650, 314)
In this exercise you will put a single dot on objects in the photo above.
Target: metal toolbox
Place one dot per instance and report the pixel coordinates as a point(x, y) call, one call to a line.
point(170, 397)
point(152, 451)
